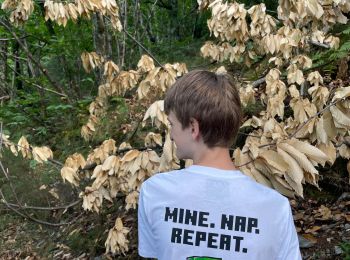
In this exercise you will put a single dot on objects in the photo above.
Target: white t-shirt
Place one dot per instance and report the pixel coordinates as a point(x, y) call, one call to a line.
point(206, 213)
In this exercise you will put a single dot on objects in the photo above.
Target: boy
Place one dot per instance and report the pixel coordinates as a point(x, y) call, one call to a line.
point(210, 210)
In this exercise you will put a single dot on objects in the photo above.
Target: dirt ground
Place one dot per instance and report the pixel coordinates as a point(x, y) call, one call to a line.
point(323, 228)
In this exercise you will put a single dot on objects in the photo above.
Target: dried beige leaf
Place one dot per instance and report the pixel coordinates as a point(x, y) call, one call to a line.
point(131, 200)
point(42, 154)
point(329, 150)
point(116, 241)
point(43, 187)
point(275, 160)
point(24, 147)
point(145, 64)
point(70, 175)
point(309, 150)
point(295, 75)
point(294, 92)
point(157, 114)
point(153, 139)
point(295, 174)
point(341, 93)
point(301, 159)
point(54, 193)
point(109, 163)
point(344, 151)
point(131, 155)
point(340, 116)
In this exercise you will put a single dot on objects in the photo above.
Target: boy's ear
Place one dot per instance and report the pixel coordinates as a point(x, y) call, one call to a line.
point(194, 128)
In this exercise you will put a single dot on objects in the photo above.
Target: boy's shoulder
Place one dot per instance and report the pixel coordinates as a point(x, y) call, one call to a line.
point(162, 177)
point(177, 178)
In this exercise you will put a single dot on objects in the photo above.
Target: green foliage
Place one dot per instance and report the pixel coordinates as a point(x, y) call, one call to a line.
point(346, 250)
point(89, 241)
point(327, 59)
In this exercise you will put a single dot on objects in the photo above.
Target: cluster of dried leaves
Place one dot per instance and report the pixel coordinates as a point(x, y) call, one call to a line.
point(60, 12)
point(40, 154)
point(303, 23)
point(274, 154)
point(146, 78)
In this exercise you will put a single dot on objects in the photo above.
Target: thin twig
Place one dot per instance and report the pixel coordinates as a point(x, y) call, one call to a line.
point(323, 45)
point(258, 82)
point(242, 133)
point(46, 89)
point(34, 84)
point(4, 97)
point(10, 39)
point(144, 48)
point(10, 182)
point(19, 205)
point(244, 164)
point(46, 208)
point(315, 115)
point(55, 162)
point(12, 55)
point(35, 219)
point(30, 56)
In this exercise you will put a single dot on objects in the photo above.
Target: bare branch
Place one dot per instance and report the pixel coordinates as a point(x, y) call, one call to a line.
point(258, 82)
point(315, 115)
point(144, 48)
point(46, 208)
point(30, 56)
point(49, 90)
point(35, 219)
point(36, 85)
point(323, 45)
point(4, 97)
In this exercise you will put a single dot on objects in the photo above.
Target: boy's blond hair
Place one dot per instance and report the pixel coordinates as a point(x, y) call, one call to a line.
point(212, 100)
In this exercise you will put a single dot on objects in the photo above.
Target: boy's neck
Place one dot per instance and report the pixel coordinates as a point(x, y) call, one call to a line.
point(216, 157)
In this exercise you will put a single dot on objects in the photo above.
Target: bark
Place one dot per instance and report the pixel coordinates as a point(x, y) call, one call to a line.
point(125, 26)
point(175, 26)
point(32, 71)
point(3, 68)
point(99, 34)
point(102, 39)
point(18, 84)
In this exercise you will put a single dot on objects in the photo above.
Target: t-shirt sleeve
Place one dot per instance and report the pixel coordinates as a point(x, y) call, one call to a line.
point(145, 234)
point(290, 244)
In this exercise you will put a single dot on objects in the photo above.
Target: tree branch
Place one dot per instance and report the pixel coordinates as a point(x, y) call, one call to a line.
point(30, 56)
point(4, 98)
point(36, 85)
point(144, 48)
point(323, 45)
point(35, 219)
point(46, 208)
point(315, 115)
point(19, 205)
point(258, 82)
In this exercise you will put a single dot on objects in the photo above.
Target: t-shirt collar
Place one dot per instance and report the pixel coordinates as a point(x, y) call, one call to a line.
point(212, 171)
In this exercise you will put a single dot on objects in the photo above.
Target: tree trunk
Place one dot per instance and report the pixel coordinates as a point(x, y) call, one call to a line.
point(102, 41)
point(3, 68)
point(32, 72)
point(175, 26)
point(18, 84)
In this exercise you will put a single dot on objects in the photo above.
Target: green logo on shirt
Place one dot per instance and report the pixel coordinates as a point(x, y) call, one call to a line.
point(202, 258)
